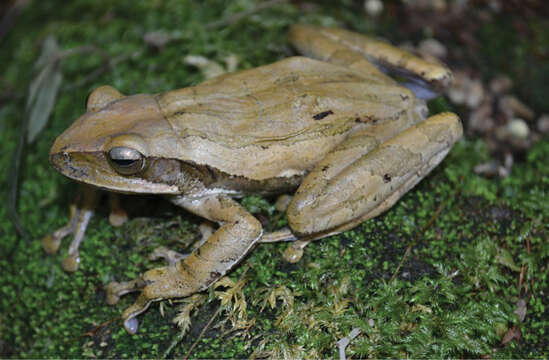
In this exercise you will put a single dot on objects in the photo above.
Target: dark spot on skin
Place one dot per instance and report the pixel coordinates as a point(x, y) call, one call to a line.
point(326, 167)
point(179, 113)
point(264, 147)
point(215, 275)
point(375, 198)
point(404, 97)
point(386, 178)
point(236, 222)
point(198, 251)
point(322, 115)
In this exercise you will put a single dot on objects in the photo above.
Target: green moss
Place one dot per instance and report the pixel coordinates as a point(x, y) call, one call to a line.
point(454, 295)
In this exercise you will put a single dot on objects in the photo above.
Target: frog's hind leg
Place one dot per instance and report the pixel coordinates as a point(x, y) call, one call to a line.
point(355, 183)
point(354, 50)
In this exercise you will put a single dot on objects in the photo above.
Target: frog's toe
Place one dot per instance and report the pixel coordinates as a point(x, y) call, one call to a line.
point(118, 218)
point(170, 256)
point(294, 252)
point(129, 317)
point(71, 262)
point(50, 243)
point(115, 289)
point(292, 255)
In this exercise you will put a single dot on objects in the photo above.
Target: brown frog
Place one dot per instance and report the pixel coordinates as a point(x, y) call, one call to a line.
point(332, 128)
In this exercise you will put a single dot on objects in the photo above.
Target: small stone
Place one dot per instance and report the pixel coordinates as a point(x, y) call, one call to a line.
point(466, 90)
point(511, 106)
point(457, 93)
point(543, 124)
point(517, 128)
point(501, 84)
point(475, 94)
point(481, 119)
point(432, 47)
point(373, 7)
point(157, 39)
point(209, 68)
point(495, 5)
point(491, 169)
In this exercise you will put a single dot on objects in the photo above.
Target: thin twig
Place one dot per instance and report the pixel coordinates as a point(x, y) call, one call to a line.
point(234, 18)
point(210, 321)
point(203, 332)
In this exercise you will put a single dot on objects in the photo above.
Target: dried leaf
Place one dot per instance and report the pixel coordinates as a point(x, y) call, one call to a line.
point(43, 89)
point(42, 108)
point(521, 309)
point(512, 333)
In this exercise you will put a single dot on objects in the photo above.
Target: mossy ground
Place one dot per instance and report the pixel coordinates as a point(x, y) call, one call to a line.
point(455, 295)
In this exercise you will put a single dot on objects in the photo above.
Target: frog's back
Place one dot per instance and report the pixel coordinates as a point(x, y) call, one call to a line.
point(279, 118)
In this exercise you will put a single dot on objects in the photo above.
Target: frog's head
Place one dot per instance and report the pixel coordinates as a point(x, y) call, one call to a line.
point(113, 143)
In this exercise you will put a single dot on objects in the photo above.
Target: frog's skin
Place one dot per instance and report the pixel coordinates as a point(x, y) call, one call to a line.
point(347, 139)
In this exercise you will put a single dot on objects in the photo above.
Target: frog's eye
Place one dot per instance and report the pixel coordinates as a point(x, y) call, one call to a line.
point(126, 161)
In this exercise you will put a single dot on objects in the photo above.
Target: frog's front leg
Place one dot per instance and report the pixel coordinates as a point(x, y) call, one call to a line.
point(354, 183)
point(238, 232)
point(81, 213)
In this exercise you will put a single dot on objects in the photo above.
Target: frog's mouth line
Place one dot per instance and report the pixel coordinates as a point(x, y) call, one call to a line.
point(93, 168)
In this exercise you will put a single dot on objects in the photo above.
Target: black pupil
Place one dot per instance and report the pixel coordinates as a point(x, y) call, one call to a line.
point(124, 162)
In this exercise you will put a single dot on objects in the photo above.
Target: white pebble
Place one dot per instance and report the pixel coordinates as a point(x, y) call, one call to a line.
point(518, 128)
point(373, 7)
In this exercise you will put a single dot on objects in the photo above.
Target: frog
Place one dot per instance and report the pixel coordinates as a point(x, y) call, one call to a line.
point(331, 127)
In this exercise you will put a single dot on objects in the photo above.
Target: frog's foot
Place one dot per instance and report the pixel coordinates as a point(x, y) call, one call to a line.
point(170, 256)
point(156, 284)
point(51, 242)
point(80, 214)
point(77, 225)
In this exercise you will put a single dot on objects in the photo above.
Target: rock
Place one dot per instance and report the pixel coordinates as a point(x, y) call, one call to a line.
point(466, 90)
point(501, 84)
point(432, 47)
point(515, 129)
point(481, 119)
point(475, 95)
point(511, 106)
point(157, 39)
point(543, 124)
point(373, 7)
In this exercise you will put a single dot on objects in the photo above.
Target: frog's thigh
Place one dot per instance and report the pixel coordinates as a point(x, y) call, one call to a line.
point(316, 42)
point(343, 191)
